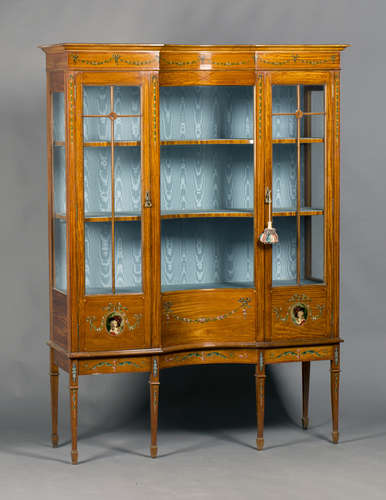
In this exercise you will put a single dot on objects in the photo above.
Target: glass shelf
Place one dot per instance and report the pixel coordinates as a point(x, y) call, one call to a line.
point(289, 212)
point(107, 290)
point(302, 282)
point(100, 144)
point(208, 141)
point(207, 286)
point(189, 214)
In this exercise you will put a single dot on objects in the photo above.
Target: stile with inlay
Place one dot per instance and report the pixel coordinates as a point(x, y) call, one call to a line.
point(162, 163)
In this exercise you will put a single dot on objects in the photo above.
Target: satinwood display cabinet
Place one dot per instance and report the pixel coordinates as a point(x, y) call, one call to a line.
point(164, 165)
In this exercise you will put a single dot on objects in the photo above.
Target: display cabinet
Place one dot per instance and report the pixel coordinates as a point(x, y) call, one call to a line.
point(165, 163)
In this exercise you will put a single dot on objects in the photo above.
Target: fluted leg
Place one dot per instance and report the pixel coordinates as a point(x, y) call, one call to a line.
point(154, 399)
point(74, 411)
point(54, 382)
point(260, 399)
point(335, 373)
point(306, 365)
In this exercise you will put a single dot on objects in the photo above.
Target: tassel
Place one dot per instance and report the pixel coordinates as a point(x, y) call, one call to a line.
point(269, 236)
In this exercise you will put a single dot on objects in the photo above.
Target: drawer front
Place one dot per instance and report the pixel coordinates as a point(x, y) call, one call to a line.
point(208, 316)
point(288, 354)
point(113, 323)
point(300, 313)
point(114, 365)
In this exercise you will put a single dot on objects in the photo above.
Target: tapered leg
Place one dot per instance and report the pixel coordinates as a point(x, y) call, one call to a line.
point(260, 399)
point(54, 382)
point(74, 411)
point(335, 373)
point(306, 365)
point(154, 399)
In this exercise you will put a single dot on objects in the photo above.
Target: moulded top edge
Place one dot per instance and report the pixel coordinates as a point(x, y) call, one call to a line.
point(59, 47)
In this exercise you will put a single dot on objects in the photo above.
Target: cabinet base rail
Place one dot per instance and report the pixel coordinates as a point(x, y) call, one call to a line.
point(153, 364)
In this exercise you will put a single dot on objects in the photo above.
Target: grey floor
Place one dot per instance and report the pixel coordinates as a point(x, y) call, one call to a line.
point(197, 464)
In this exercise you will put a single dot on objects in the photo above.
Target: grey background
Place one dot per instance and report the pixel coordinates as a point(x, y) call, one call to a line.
point(207, 422)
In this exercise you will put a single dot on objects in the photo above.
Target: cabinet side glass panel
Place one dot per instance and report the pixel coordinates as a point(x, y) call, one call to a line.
point(112, 189)
point(59, 192)
point(312, 249)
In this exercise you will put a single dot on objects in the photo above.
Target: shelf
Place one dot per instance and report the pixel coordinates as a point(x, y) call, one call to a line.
point(303, 282)
point(207, 141)
point(302, 140)
point(108, 291)
point(60, 216)
point(290, 212)
point(190, 214)
point(119, 216)
point(106, 144)
point(207, 286)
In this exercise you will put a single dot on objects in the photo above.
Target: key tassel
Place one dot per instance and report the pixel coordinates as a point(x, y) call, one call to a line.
point(269, 236)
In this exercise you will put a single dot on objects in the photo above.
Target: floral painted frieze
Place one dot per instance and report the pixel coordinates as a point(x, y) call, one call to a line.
point(243, 307)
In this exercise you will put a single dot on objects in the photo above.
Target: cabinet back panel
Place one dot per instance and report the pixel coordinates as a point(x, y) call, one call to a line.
point(207, 177)
point(200, 251)
point(206, 112)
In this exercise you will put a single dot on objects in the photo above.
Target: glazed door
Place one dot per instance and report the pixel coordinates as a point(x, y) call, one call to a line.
point(207, 208)
point(115, 194)
point(299, 175)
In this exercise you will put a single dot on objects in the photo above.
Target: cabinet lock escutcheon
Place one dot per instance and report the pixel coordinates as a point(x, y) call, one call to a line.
point(148, 203)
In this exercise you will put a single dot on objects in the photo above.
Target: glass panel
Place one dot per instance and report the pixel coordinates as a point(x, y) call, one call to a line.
point(312, 98)
point(312, 181)
point(98, 257)
point(127, 100)
point(312, 126)
point(284, 176)
point(284, 253)
point(59, 192)
point(207, 253)
point(96, 100)
point(58, 116)
point(59, 167)
point(284, 99)
point(96, 129)
point(284, 127)
point(206, 112)
point(97, 181)
point(312, 248)
point(60, 281)
point(127, 129)
point(208, 177)
point(127, 180)
point(128, 257)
